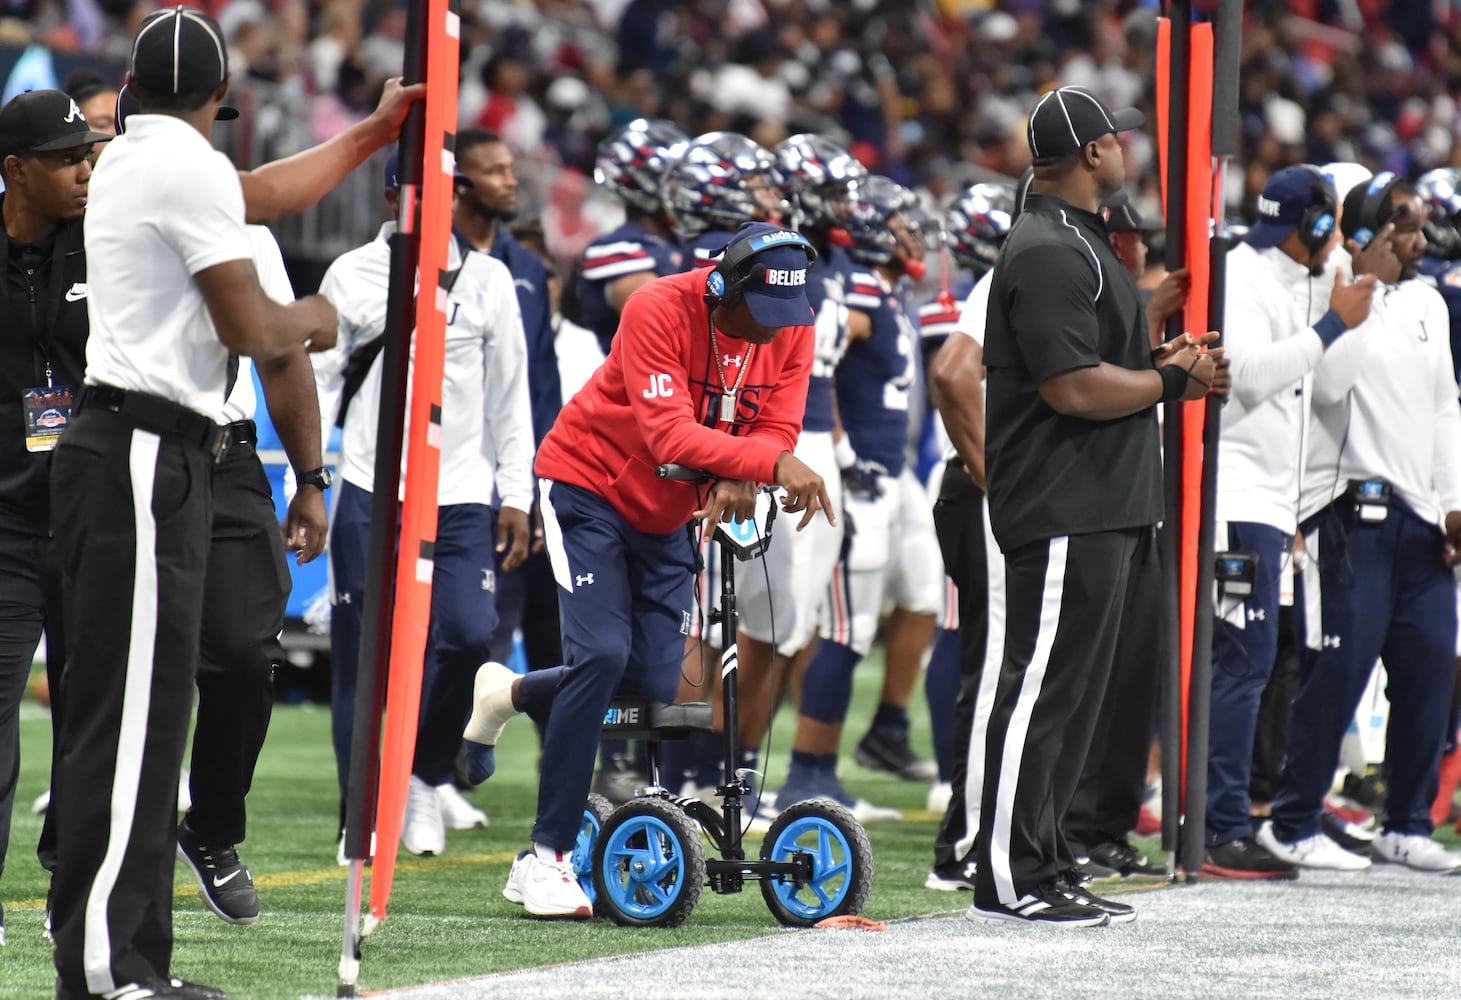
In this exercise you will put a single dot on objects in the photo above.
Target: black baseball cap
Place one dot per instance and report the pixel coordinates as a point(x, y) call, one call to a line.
point(43, 121)
point(128, 105)
point(1067, 118)
point(179, 50)
point(1122, 217)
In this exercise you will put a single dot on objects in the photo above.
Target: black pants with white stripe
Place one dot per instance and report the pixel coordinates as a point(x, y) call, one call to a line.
point(959, 518)
point(1109, 794)
point(1065, 600)
point(132, 513)
point(244, 598)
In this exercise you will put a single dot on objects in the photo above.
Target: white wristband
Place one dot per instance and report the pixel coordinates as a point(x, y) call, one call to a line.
point(842, 451)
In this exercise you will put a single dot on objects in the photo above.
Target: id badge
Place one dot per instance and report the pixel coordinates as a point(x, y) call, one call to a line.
point(47, 412)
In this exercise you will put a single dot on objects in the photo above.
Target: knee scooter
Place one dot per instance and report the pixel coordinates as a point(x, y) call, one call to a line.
point(646, 860)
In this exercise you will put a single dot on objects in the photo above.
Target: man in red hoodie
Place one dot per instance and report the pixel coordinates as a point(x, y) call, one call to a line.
point(709, 370)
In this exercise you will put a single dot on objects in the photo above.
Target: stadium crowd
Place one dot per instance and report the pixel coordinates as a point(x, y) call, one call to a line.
point(931, 94)
point(831, 188)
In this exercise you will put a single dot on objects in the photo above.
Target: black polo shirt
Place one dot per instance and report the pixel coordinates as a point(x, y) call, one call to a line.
point(52, 329)
point(1061, 300)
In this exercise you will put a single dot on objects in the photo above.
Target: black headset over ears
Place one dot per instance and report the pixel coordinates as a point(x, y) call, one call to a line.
point(737, 266)
point(1369, 221)
point(1316, 225)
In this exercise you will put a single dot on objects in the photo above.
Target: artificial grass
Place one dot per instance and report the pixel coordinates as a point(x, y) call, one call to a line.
point(447, 917)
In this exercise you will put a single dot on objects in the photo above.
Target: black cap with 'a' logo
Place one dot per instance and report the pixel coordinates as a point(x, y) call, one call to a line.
point(43, 121)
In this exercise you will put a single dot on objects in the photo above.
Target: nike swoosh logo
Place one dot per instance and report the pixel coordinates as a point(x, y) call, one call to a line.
point(75, 295)
point(218, 882)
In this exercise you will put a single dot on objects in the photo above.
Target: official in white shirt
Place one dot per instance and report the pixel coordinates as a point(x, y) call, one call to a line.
point(1381, 514)
point(486, 446)
point(1282, 312)
point(132, 502)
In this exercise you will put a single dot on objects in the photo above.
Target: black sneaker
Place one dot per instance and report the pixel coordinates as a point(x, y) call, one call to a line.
point(171, 988)
point(223, 881)
point(1120, 913)
point(1124, 859)
point(1370, 790)
point(887, 750)
point(1245, 858)
point(195, 991)
point(1353, 838)
point(951, 878)
point(618, 780)
point(1049, 904)
point(1088, 871)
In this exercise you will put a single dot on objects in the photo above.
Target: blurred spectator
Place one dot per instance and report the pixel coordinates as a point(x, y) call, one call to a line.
point(932, 94)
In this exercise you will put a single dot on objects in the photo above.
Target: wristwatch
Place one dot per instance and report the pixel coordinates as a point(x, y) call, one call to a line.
point(319, 478)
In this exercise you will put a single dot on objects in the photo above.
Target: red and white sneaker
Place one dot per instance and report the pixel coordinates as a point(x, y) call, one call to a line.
point(546, 888)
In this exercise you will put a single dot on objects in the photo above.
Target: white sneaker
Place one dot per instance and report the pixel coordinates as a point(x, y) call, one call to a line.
point(865, 812)
point(938, 797)
point(456, 811)
point(1317, 851)
point(1415, 851)
point(546, 888)
point(423, 832)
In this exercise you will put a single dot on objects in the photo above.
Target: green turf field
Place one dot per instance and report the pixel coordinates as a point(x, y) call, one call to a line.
point(447, 917)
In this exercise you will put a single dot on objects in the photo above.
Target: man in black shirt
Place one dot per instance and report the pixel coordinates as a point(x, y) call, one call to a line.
point(1074, 477)
point(45, 148)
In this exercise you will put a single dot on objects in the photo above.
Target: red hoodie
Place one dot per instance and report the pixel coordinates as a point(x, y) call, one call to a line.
point(657, 399)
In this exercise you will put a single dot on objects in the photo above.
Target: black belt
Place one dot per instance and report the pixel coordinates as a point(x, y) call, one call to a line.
point(160, 416)
point(242, 432)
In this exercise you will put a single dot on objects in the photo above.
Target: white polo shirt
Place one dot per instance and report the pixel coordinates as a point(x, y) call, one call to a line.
point(164, 205)
point(274, 280)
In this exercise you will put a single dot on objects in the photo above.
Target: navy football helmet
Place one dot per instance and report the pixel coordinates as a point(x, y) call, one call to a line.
point(819, 175)
point(1441, 192)
point(632, 160)
point(722, 180)
point(884, 215)
point(977, 223)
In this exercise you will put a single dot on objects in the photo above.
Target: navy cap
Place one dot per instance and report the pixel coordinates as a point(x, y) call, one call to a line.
point(393, 169)
point(1068, 118)
point(1285, 198)
point(775, 289)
